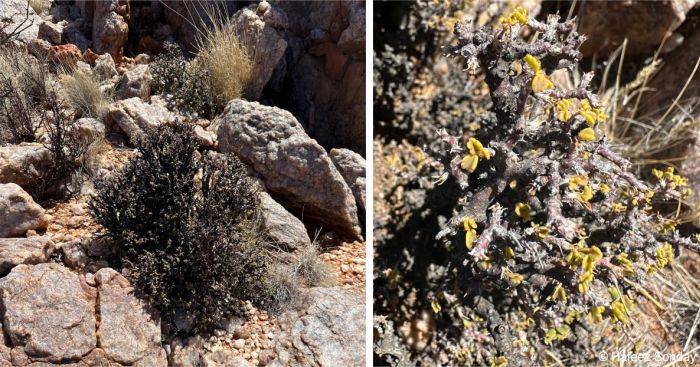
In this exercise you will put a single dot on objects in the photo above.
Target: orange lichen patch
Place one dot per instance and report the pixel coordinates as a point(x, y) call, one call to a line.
point(67, 55)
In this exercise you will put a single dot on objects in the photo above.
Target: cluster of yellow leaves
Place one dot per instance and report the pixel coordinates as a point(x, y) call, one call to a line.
point(556, 333)
point(585, 258)
point(620, 306)
point(590, 114)
point(563, 109)
point(540, 82)
point(663, 255)
point(673, 180)
point(586, 192)
point(559, 293)
point(476, 151)
point(519, 15)
point(540, 230)
point(514, 278)
point(624, 260)
point(500, 361)
point(470, 228)
point(630, 198)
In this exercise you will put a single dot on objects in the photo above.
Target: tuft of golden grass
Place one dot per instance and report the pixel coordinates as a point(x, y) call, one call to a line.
point(82, 90)
point(223, 56)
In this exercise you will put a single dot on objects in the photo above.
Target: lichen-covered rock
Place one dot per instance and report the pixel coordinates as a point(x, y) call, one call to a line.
point(18, 16)
point(110, 28)
point(48, 312)
point(135, 83)
point(66, 55)
point(133, 114)
point(18, 212)
point(352, 166)
point(128, 333)
point(293, 166)
point(260, 28)
point(283, 228)
point(329, 332)
point(22, 163)
point(31, 250)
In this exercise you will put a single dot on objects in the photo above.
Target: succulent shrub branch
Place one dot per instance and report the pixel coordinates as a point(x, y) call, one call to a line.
point(547, 220)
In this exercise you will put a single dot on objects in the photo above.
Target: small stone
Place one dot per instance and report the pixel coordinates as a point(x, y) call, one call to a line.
point(90, 279)
point(239, 344)
point(344, 268)
point(241, 333)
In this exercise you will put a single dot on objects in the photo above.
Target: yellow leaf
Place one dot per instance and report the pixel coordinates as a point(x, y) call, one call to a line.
point(469, 162)
point(587, 194)
point(436, 306)
point(586, 134)
point(596, 313)
point(469, 224)
point(533, 63)
point(515, 278)
point(563, 109)
point(509, 253)
point(522, 210)
point(541, 83)
point(476, 148)
point(470, 238)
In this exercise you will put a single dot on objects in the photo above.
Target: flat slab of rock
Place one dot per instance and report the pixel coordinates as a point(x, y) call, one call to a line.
point(293, 166)
point(22, 163)
point(48, 312)
point(127, 333)
point(18, 212)
point(283, 228)
point(330, 332)
point(16, 251)
point(133, 115)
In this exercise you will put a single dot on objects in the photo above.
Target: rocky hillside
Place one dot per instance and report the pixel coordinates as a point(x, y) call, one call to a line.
point(66, 296)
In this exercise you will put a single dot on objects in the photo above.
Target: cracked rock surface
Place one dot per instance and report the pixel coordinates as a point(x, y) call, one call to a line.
point(52, 316)
point(49, 313)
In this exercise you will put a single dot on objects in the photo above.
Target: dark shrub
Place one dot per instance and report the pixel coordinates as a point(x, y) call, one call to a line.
point(185, 83)
point(186, 227)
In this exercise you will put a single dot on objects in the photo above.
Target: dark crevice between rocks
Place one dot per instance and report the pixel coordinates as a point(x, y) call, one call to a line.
point(98, 317)
point(3, 330)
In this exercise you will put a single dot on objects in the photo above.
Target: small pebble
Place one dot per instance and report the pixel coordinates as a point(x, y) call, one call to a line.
point(239, 344)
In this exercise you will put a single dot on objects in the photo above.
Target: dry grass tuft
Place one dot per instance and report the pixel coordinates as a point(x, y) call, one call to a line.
point(222, 54)
point(309, 268)
point(82, 89)
point(659, 138)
